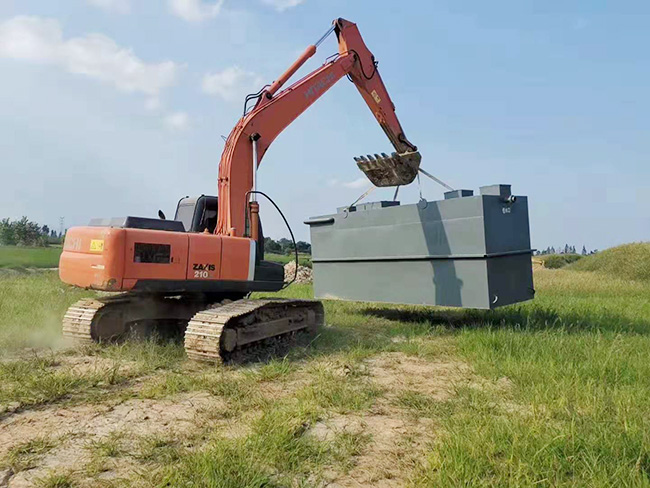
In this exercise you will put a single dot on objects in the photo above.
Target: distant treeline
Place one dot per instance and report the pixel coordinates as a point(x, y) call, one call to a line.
point(567, 249)
point(285, 246)
point(24, 232)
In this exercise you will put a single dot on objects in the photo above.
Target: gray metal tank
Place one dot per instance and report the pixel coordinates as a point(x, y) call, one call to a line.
point(465, 251)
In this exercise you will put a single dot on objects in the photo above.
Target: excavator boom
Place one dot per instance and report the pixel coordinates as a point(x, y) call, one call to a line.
point(276, 109)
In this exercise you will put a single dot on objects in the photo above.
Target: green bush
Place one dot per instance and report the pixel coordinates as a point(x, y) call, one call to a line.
point(556, 261)
point(22, 232)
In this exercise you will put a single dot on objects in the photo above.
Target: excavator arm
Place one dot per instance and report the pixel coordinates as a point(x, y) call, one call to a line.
point(275, 110)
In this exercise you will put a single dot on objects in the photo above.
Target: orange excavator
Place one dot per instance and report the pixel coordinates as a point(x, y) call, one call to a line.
point(195, 271)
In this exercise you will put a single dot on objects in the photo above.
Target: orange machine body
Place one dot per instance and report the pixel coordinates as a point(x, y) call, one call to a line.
point(114, 259)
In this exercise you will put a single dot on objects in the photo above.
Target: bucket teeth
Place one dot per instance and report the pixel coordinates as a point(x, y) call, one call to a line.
point(394, 170)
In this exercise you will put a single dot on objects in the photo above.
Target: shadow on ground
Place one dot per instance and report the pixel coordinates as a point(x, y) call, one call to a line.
point(516, 318)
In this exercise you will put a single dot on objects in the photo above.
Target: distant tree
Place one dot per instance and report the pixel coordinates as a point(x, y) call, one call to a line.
point(272, 246)
point(584, 251)
point(45, 230)
point(7, 236)
point(303, 246)
point(286, 245)
point(21, 232)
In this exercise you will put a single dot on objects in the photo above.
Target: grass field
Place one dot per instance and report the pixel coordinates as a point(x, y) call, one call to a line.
point(303, 259)
point(555, 392)
point(29, 257)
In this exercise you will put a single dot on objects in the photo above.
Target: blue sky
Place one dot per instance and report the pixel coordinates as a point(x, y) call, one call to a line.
point(117, 107)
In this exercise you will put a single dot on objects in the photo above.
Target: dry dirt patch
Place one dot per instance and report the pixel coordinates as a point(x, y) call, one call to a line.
point(84, 365)
point(397, 438)
point(397, 373)
point(76, 428)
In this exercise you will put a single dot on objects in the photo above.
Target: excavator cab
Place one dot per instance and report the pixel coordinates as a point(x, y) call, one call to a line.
point(197, 214)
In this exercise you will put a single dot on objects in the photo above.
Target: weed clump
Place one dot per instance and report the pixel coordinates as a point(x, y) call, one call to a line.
point(556, 261)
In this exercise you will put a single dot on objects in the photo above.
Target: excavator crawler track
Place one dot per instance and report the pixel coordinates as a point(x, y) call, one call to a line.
point(226, 331)
point(114, 318)
point(78, 320)
point(247, 329)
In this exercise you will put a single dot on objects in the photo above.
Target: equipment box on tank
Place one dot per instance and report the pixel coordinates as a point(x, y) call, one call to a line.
point(464, 251)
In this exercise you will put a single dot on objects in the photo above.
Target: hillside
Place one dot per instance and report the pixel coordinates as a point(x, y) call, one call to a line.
point(629, 261)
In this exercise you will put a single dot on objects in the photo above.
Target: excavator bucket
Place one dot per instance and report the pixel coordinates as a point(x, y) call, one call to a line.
point(394, 170)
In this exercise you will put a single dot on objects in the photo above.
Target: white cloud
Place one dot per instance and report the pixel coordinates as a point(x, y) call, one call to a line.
point(282, 5)
point(195, 10)
point(232, 84)
point(94, 55)
point(177, 121)
point(119, 6)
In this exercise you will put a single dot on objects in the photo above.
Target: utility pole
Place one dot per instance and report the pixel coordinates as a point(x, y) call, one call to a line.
point(61, 226)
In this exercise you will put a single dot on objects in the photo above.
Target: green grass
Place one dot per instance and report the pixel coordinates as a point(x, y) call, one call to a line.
point(303, 259)
point(576, 414)
point(39, 380)
point(109, 446)
point(559, 393)
point(31, 307)
point(56, 480)
point(276, 453)
point(29, 257)
point(630, 261)
point(24, 455)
